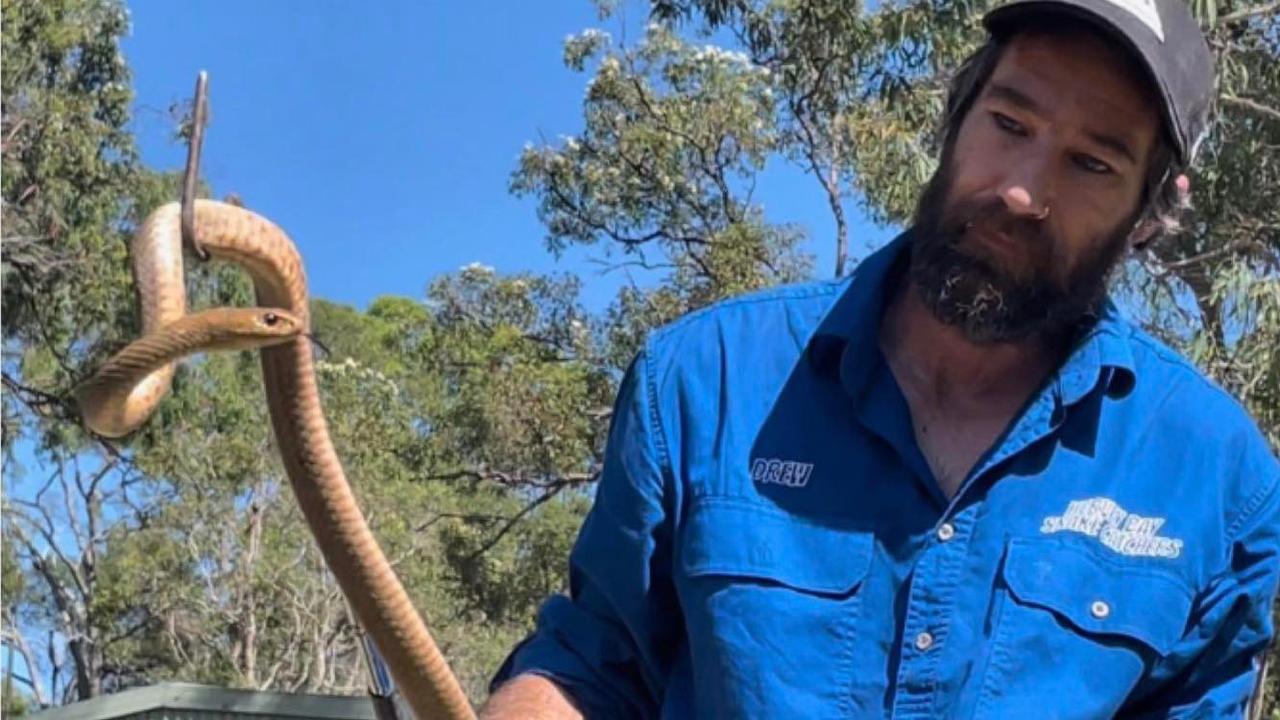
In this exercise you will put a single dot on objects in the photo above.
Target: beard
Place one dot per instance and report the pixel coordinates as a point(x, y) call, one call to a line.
point(991, 299)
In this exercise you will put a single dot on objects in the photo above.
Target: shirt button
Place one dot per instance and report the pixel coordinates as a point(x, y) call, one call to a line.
point(946, 531)
point(1100, 609)
point(924, 641)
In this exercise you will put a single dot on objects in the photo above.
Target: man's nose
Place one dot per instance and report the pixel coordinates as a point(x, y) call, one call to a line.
point(1026, 191)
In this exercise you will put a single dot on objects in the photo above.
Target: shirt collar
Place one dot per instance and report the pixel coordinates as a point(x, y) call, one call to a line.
point(1101, 356)
point(847, 343)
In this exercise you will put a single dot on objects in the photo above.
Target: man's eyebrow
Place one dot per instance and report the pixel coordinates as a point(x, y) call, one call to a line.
point(1020, 99)
point(1112, 143)
point(1013, 96)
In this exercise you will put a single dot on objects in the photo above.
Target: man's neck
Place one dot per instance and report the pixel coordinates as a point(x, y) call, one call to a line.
point(947, 370)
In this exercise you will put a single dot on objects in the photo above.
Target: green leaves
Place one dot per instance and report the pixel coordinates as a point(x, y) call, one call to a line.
point(67, 161)
point(661, 174)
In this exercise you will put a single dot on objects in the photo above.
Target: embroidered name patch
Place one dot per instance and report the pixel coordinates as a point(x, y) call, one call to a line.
point(781, 472)
point(1115, 527)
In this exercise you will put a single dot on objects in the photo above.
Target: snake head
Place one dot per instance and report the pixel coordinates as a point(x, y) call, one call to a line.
point(246, 328)
point(273, 326)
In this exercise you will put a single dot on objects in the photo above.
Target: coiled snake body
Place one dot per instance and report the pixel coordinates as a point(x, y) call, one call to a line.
point(124, 391)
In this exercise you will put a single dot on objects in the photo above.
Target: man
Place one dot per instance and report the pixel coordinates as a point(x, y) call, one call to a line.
point(957, 483)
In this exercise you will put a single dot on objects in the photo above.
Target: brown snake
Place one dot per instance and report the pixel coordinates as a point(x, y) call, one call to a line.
point(127, 388)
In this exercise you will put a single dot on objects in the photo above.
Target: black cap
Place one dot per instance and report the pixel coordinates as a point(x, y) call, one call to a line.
point(1163, 35)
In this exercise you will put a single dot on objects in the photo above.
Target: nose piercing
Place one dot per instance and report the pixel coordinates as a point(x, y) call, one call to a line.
point(1043, 213)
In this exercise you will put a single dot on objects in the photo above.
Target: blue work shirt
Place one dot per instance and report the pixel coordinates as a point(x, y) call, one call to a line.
point(767, 540)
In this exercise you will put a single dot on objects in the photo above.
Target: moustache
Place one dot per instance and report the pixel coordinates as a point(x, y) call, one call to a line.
point(992, 214)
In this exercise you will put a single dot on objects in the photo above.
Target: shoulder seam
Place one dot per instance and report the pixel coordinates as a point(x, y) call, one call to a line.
point(654, 418)
point(1170, 357)
point(781, 293)
point(1256, 501)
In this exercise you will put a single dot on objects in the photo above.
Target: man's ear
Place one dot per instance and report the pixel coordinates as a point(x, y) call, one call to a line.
point(1149, 229)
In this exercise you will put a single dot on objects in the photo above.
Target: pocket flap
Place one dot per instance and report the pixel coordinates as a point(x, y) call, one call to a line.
point(747, 540)
point(1099, 593)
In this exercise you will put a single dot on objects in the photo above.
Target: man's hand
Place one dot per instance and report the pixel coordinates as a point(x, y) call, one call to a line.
point(529, 697)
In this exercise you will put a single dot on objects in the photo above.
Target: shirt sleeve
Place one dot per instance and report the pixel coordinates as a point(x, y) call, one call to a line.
point(1220, 656)
point(608, 644)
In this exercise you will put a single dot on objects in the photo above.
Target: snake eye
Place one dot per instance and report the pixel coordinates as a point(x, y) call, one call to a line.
point(271, 319)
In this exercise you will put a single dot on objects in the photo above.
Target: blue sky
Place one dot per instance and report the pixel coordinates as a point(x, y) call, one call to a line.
point(381, 136)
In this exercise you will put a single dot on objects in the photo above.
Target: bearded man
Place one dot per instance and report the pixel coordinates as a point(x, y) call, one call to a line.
point(957, 483)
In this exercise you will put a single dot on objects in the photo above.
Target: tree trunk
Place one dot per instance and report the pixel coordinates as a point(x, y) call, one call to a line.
point(88, 667)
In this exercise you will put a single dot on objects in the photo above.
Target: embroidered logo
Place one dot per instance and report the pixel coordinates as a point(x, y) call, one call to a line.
point(781, 472)
point(1145, 11)
point(1118, 529)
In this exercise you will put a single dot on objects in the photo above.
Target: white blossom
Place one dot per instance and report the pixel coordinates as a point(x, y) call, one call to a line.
point(477, 267)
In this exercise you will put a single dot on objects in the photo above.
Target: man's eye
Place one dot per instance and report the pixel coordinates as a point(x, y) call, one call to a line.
point(1008, 124)
point(1092, 164)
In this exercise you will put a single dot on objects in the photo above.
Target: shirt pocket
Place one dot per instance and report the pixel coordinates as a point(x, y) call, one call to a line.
point(771, 601)
point(1080, 623)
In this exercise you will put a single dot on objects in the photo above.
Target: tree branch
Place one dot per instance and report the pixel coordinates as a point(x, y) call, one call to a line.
point(1253, 105)
point(133, 630)
point(19, 642)
point(56, 586)
point(580, 215)
point(1248, 13)
point(468, 517)
point(1197, 278)
point(610, 266)
point(551, 492)
point(34, 398)
point(515, 480)
point(73, 519)
point(829, 185)
point(1228, 249)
